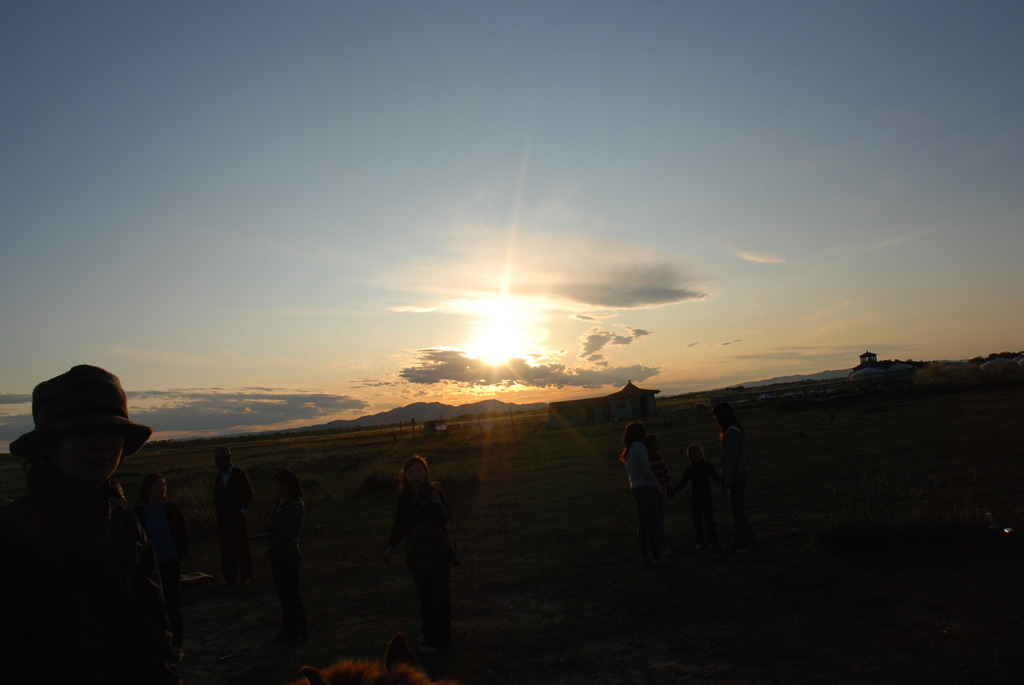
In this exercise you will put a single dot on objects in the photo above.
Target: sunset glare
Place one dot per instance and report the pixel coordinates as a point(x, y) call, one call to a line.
point(500, 333)
point(497, 343)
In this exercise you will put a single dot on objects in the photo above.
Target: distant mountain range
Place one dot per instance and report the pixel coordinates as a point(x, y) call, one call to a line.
point(426, 411)
point(434, 411)
point(820, 376)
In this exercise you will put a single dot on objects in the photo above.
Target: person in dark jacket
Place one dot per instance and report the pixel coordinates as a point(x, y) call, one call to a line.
point(421, 518)
point(283, 549)
point(734, 476)
point(166, 530)
point(232, 497)
point(80, 595)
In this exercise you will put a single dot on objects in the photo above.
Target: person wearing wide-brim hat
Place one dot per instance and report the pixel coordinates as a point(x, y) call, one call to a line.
point(80, 595)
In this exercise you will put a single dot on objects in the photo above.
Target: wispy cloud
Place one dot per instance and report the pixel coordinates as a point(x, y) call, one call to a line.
point(375, 383)
point(812, 358)
point(750, 254)
point(760, 257)
point(884, 244)
point(413, 309)
point(585, 275)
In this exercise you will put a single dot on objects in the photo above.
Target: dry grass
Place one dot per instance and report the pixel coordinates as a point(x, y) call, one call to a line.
point(875, 566)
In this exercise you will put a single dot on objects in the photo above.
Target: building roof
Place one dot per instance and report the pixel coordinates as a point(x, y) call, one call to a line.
point(630, 390)
point(868, 371)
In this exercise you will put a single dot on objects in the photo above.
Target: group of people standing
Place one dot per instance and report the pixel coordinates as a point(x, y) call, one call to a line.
point(89, 586)
point(233, 493)
point(650, 485)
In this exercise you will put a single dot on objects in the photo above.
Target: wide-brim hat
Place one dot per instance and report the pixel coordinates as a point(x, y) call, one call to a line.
point(84, 396)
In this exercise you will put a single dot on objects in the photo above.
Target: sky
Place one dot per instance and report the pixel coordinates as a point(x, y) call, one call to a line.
point(266, 215)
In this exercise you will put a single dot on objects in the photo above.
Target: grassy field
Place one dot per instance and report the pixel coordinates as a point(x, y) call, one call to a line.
point(876, 563)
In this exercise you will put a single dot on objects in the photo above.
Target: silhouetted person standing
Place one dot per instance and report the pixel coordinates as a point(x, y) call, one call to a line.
point(734, 475)
point(421, 519)
point(165, 527)
point(646, 490)
point(80, 595)
point(284, 527)
point(232, 497)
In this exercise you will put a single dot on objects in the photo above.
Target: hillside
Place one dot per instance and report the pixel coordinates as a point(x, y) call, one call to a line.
point(426, 411)
point(876, 562)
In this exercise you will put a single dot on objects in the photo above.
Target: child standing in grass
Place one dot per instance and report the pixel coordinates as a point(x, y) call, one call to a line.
point(699, 474)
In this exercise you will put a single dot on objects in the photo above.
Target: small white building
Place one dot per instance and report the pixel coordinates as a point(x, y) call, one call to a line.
point(870, 369)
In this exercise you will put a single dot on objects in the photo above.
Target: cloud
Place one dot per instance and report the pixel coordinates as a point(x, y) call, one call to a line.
point(582, 274)
point(413, 309)
point(806, 356)
point(374, 383)
point(453, 366)
point(634, 286)
point(884, 244)
point(760, 257)
point(215, 410)
point(597, 339)
point(13, 426)
point(745, 253)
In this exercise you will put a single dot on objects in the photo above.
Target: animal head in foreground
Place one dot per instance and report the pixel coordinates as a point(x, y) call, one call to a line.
point(400, 667)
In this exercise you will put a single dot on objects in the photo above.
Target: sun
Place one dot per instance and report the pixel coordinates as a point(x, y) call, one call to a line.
point(501, 334)
point(497, 343)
